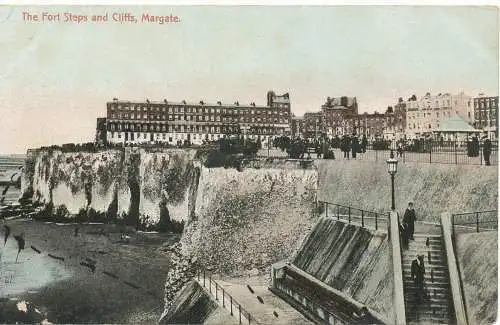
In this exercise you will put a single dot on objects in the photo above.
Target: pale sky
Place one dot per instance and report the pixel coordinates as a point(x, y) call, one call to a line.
point(57, 77)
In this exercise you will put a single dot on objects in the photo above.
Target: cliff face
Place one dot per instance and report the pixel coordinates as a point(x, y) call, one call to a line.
point(249, 219)
point(166, 179)
point(138, 182)
point(77, 180)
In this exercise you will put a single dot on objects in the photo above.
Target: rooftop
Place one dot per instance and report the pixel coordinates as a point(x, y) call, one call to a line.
point(185, 103)
point(456, 124)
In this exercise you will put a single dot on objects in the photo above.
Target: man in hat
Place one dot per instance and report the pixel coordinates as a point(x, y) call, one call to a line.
point(486, 149)
point(409, 221)
point(418, 273)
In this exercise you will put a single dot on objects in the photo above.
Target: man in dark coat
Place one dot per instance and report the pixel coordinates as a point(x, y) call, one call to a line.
point(345, 144)
point(403, 234)
point(364, 143)
point(354, 145)
point(486, 150)
point(409, 220)
point(418, 274)
point(475, 146)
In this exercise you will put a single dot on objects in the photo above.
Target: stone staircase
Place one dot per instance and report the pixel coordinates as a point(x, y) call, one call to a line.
point(437, 308)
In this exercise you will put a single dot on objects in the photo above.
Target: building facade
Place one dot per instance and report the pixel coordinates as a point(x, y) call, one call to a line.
point(313, 125)
point(297, 126)
point(339, 115)
point(101, 133)
point(486, 114)
point(423, 116)
point(168, 122)
point(371, 125)
point(395, 121)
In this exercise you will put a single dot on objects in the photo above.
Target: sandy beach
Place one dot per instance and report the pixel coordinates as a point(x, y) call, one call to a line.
point(126, 285)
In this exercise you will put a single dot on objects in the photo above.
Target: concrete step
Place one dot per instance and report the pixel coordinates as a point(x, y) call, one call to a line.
point(430, 320)
point(430, 286)
point(427, 312)
point(433, 260)
point(436, 268)
point(428, 280)
point(422, 310)
point(432, 303)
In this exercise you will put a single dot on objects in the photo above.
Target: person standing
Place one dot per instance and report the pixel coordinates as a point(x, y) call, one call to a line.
point(486, 149)
point(418, 274)
point(354, 145)
point(364, 143)
point(403, 233)
point(409, 220)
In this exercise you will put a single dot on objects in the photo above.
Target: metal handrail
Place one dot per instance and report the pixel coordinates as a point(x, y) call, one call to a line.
point(473, 220)
point(202, 280)
point(349, 213)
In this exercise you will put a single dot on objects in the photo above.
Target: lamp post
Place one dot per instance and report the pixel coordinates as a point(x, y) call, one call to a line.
point(392, 168)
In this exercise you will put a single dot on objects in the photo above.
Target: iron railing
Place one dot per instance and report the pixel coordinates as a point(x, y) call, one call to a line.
point(228, 302)
point(475, 221)
point(428, 151)
point(365, 218)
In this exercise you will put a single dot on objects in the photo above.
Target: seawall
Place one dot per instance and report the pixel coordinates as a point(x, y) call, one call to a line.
point(194, 306)
point(477, 255)
point(434, 188)
point(351, 259)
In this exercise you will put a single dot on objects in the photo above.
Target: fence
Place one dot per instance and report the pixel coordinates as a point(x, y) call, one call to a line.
point(475, 221)
point(228, 302)
point(367, 219)
point(441, 152)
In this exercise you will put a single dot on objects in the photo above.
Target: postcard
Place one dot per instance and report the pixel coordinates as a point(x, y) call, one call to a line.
point(265, 164)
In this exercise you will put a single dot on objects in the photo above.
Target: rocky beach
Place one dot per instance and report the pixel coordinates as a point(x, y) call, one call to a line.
point(59, 284)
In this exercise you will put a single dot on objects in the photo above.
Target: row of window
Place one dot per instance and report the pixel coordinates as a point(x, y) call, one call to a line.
point(428, 104)
point(424, 114)
point(414, 126)
point(200, 118)
point(188, 128)
point(189, 109)
point(147, 137)
point(485, 114)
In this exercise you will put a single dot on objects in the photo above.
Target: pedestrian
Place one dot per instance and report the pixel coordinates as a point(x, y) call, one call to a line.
point(364, 143)
point(354, 145)
point(409, 220)
point(403, 235)
point(418, 274)
point(486, 149)
point(400, 150)
point(475, 146)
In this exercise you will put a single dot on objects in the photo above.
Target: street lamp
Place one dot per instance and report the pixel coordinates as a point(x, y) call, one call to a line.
point(392, 168)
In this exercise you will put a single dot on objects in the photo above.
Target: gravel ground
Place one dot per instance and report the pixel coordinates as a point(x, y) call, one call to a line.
point(64, 291)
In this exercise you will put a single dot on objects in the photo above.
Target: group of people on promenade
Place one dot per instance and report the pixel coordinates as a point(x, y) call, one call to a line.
point(352, 144)
point(473, 147)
